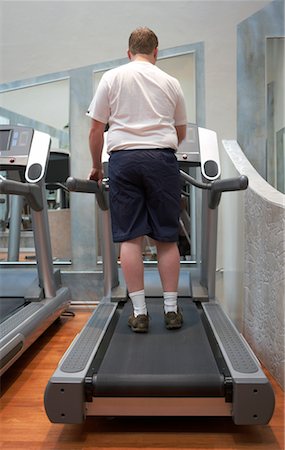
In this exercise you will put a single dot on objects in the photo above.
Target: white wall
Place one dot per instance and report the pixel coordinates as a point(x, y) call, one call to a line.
point(45, 37)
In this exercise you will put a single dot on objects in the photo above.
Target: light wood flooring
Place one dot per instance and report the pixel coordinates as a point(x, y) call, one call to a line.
point(24, 425)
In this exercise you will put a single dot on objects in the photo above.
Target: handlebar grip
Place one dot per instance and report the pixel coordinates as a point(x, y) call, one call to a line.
point(77, 185)
point(89, 187)
point(230, 184)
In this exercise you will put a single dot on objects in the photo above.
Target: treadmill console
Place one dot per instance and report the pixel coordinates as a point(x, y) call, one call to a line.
point(24, 147)
point(200, 148)
point(15, 141)
point(188, 150)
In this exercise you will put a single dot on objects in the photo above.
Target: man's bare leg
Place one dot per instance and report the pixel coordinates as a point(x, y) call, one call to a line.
point(133, 270)
point(169, 267)
point(132, 264)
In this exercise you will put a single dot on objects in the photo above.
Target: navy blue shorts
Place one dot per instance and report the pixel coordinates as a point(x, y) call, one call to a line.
point(144, 194)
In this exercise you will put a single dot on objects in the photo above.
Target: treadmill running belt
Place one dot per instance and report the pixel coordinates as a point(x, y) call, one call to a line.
point(15, 282)
point(161, 362)
point(9, 306)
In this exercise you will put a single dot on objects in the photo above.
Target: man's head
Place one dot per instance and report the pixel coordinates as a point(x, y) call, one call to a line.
point(143, 41)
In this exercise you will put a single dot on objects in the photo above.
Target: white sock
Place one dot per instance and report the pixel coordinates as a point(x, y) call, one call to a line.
point(138, 301)
point(170, 302)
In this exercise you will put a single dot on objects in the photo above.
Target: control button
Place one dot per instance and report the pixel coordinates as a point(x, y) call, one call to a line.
point(184, 156)
point(211, 168)
point(34, 171)
point(12, 160)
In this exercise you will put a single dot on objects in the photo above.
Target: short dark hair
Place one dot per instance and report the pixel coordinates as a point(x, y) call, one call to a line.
point(142, 40)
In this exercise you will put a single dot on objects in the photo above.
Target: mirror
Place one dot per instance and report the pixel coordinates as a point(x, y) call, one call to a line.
point(44, 107)
point(275, 145)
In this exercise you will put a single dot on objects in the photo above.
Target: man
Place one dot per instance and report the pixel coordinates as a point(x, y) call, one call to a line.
point(145, 110)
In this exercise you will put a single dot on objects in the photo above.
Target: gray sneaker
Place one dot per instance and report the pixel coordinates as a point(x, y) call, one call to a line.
point(173, 320)
point(139, 324)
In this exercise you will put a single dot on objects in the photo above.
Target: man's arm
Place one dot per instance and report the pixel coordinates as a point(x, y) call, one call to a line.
point(96, 142)
point(181, 132)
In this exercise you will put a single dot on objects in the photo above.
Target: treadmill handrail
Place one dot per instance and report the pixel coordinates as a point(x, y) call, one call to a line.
point(195, 182)
point(216, 187)
point(32, 192)
point(90, 187)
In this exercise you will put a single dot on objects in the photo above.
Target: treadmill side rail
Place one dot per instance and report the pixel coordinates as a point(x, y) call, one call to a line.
point(65, 393)
point(21, 329)
point(253, 396)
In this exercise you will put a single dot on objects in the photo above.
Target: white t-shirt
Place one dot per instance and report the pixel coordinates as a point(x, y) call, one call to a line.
point(142, 105)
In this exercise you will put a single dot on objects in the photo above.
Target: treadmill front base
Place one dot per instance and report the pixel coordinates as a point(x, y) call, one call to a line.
point(154, 406)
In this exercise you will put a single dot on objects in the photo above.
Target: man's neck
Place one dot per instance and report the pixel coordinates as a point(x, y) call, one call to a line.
point(142, 57)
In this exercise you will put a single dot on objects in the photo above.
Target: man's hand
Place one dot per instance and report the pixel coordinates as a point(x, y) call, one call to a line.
point(96, 175)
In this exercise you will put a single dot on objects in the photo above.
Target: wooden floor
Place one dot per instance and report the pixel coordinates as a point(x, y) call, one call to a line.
point(23, 423)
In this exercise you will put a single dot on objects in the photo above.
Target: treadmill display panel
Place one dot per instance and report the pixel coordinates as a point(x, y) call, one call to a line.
point(15, 140)
point(20, 139)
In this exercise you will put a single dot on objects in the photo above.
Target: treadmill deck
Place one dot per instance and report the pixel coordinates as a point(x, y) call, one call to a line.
point(161, 362)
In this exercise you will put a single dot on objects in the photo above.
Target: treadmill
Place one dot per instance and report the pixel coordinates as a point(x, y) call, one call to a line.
point(30, 299)
point(206, 368)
